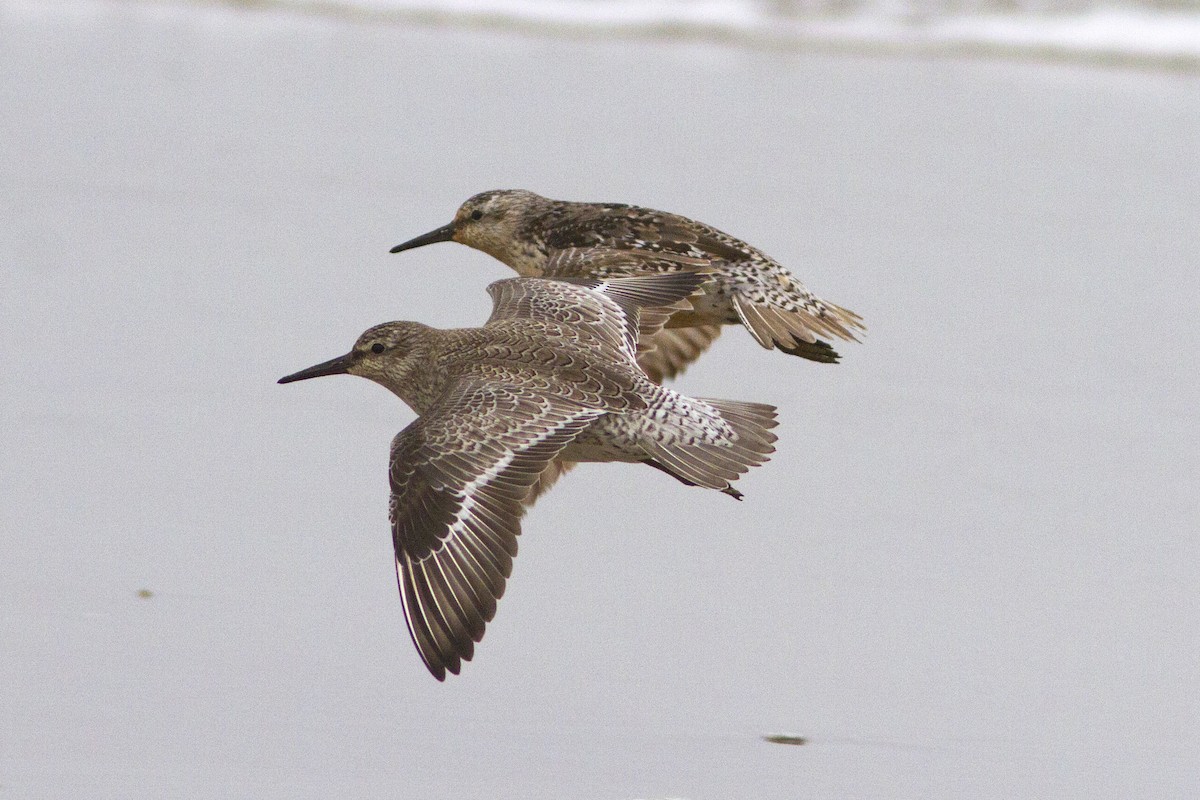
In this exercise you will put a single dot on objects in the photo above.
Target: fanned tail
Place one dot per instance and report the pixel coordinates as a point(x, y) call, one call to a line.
point(795, 332)
point(818, 351)
point(716, 464)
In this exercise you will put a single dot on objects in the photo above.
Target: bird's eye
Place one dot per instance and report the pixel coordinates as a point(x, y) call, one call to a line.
point(377, 348)
point(476, 214)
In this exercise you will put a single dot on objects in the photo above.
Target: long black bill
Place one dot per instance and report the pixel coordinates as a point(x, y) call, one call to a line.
point(442, 234)
point(334, 366)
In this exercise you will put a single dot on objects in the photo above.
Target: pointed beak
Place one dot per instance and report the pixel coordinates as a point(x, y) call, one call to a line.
point(334, 366)
point(442, 234)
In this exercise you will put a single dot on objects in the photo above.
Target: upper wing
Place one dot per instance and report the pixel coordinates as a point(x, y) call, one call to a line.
point(648, 231)
point(618, 311)
point(459, 476)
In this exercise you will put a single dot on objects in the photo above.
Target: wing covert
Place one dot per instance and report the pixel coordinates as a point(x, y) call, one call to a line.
point(618, 311)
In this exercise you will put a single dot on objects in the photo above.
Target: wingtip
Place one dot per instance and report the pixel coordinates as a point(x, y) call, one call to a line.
point(818, 351)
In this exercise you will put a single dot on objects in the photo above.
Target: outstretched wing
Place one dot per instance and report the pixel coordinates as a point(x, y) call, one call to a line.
point(672, 350)
point(621, 312)
point(458, 477)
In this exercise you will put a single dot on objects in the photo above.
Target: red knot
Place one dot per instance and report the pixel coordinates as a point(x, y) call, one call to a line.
point(551, 377)
point(540, 237)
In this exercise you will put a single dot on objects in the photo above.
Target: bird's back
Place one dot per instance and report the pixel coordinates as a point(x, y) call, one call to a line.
point(619, 226)
point(552, 358)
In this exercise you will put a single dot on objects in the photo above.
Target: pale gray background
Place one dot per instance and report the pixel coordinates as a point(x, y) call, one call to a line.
point(970, 571)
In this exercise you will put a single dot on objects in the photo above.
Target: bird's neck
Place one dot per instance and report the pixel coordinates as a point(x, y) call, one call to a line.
point(526, 257)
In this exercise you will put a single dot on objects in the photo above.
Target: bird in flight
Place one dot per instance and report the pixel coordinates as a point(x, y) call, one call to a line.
point(551, 377)
point(540, 237)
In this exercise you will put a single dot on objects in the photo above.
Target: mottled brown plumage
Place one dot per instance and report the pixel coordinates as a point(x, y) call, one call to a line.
point(550, 378)
point(537, 236)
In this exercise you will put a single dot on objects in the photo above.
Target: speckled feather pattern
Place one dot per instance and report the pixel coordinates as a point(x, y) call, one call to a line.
point(537, 236)
point(551, 377)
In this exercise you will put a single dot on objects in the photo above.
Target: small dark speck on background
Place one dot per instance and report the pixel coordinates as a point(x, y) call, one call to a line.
point(785, 738)
point(145, 594)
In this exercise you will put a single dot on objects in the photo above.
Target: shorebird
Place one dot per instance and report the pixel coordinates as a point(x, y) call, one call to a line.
point(550, 376)
point(537, 236)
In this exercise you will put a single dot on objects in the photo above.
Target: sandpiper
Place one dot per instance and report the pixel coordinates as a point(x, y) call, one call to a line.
point(537, 236)
point(551, 376)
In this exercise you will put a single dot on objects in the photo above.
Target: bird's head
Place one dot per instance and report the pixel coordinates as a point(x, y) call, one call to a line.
point(490, 221)
point(388, 354)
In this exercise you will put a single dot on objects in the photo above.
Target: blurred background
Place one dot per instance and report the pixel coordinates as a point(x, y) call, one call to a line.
point(970, 570)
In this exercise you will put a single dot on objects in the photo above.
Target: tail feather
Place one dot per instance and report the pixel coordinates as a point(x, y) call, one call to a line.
point(818, 351)
point(795, 332)
point(716, 464)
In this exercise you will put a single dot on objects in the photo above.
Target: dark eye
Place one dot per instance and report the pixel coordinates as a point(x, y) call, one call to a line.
point(377, 348)
point(476, 215)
